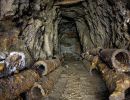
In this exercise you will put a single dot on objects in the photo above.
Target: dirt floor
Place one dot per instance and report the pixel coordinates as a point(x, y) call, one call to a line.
point(76, 83)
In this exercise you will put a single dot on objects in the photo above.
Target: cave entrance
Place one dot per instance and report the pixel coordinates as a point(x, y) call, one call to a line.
point(69, 41)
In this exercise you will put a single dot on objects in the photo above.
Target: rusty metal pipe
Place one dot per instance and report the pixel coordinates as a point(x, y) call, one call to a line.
point(47, 65)
point(41, 88)
point(44, 86)
point(117, 59)
point(12, 86)
point(116, 82)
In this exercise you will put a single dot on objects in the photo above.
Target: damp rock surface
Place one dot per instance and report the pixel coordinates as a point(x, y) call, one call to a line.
point(76, 83)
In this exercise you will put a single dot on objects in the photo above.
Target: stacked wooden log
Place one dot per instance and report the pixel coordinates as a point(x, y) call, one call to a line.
point(112, 72)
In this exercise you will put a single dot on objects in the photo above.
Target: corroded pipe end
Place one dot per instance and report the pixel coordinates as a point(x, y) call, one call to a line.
point(120, 60)
point(46, 66)
point(41, 88)
point(41, 67)
point(37, 91)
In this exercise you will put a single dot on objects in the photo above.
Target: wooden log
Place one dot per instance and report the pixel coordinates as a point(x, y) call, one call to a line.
point(12, 86)
point(67, 2)
point(116, 82)
point(47, 65)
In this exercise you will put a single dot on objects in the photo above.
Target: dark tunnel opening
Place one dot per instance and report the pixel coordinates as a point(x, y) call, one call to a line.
point(68, 36)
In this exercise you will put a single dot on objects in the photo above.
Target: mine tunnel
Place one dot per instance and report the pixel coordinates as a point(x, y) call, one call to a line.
point(64, 50)
point(69, 40)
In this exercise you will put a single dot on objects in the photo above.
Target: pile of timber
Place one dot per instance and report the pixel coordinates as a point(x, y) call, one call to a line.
point(112, 63)
point(41, 76)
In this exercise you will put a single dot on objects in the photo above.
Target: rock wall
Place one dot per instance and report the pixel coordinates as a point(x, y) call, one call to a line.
point(100, 23)
point(36, 23)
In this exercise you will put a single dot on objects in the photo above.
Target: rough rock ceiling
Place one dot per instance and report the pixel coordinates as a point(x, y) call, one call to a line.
point(67, 2)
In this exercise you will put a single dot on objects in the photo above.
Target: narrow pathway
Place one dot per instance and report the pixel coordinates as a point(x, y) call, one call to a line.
point(76, 83)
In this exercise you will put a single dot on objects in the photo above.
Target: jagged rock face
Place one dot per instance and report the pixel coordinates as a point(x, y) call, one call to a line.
point(100, 23)
point(36, 22)
point(10, 7)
